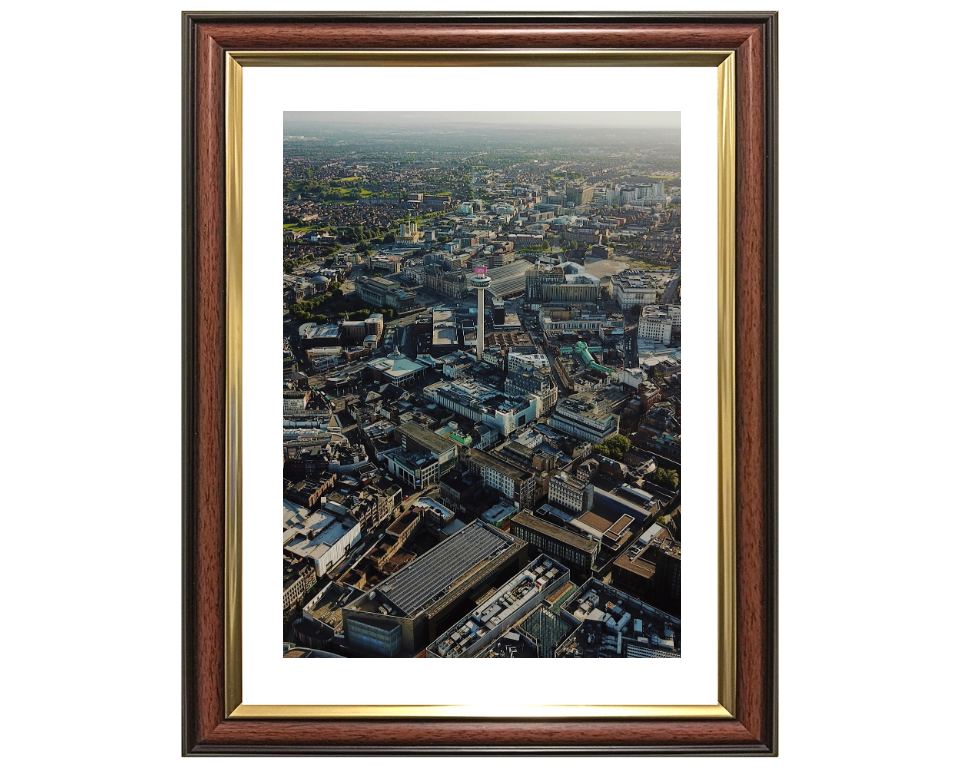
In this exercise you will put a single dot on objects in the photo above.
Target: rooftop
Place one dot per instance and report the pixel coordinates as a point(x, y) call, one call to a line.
point(512, 645)
point(506, 603)
point(499, 512)
point(315, 535)
point(326, 606)
point(547, 628)
point(403, 522)
point(293, 570)
point(660, 311)
point(396, 366)
point(429, 505)
point(584, 403)
point(293, 513)
point(316, 331)
point(428, 578)
point(665, 542)
point(571, 480)
point(616, 624)
point(383, 282)
point(411, 460)
point(425, 437)
point(555, 532)
point(497, 464)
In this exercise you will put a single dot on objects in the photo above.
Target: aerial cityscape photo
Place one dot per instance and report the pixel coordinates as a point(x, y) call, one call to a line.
point(481, 385)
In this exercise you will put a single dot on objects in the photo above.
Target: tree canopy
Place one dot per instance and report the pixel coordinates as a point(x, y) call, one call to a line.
point(668, 478)
point(613, 447)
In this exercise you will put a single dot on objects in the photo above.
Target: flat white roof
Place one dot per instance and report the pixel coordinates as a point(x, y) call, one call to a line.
point(326, 529)
point(396, 366)
point(453, 526)
point(498, 512)
point(292, 511)
point(649, 535)
point(427, 503)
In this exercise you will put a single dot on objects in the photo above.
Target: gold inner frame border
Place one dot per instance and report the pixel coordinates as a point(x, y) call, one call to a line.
point(724, 62)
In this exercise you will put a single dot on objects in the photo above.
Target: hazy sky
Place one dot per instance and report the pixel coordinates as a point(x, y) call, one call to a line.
point(586, 119)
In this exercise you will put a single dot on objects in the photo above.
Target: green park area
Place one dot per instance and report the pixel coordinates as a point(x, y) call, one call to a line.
point(639, 264)
point(334, 306)
point(348, 190)
point(340, 190)
point(302, 228)
point(636, 264)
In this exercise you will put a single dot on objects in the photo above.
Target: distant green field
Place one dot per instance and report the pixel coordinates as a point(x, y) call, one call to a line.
point(349, 178)
point(637, 263)
point(348, 190)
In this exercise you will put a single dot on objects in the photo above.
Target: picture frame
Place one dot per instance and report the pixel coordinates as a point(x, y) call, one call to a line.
point(216, 47)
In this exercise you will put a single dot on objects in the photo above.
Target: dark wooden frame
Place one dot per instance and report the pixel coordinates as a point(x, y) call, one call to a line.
point(206, 36)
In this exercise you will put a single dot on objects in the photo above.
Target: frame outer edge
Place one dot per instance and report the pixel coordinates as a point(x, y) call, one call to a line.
point(481, 17)
point(191, 705)
point(188, 690)
point(771, 354)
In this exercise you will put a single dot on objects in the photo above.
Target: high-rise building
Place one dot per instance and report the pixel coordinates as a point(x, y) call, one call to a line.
point(579, 194)
point(499, 313)
point(538, 276)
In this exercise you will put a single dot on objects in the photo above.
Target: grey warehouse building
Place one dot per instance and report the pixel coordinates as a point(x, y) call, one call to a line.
point(409, 609)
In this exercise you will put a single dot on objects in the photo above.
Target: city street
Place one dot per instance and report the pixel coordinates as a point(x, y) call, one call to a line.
point(670, 294)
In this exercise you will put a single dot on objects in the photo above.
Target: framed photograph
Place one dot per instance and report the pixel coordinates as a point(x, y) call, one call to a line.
point(478, 220)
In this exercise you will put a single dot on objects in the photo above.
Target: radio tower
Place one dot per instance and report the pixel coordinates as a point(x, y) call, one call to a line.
point(479, 283)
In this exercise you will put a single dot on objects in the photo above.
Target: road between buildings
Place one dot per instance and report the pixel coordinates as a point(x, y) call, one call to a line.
point(670, 294)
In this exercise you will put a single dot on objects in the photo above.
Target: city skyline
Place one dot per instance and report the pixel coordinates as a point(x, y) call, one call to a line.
point(481, 385)
point(550, 119)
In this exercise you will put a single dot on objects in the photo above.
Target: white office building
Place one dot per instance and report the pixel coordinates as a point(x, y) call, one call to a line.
point(658, 322)
point(569, 492)
point(321, 537)
point(585, 418)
